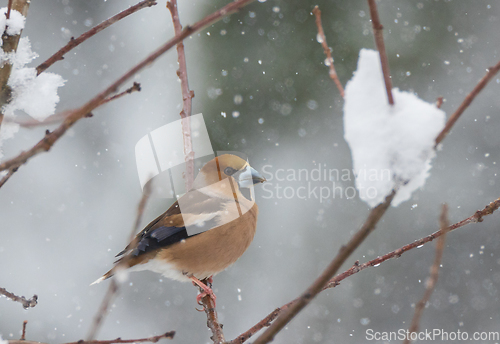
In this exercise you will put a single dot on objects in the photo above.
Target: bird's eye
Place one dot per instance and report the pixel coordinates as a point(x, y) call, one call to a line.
point(229, 171)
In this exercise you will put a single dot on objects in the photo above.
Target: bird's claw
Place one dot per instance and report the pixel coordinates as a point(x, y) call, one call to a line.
point(206, 292)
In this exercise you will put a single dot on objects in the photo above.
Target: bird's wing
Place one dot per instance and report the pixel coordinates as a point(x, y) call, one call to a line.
point(170, 227)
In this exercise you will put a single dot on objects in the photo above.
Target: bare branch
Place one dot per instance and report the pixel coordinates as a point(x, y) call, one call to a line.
point(432, 281)
point(74, 42)
point(326, 49)
point(46, 143)
point(27, 303)
point(154, 339)
point(332, 283)
point(492, 71)
point(260, 325)
point(113, 286)
point(379, 41)
point(344, 253)
point(187, 96)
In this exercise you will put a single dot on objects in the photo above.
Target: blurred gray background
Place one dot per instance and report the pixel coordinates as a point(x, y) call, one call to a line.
point(66, 214)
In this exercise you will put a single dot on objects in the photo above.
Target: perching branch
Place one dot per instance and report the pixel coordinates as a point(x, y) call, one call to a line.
point(74, 42)
point(27, 303)
point(326, 49)
point(9, 45)
point(379, 41)
point(212, 319)
point(187, 96)
point(113, 286)
point(492, 71)
point(432, 281)
point(477, 217)
point(46, 143)
point(317, 286)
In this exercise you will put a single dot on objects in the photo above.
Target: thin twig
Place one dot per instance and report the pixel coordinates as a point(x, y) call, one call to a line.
point(187, 96)
point(379, 41)
point(326, 49)
point(439, 102)
point(154, 339)
point(23, 336)
point(7, 176)
point(492, 71)
point(432, 281)
point(344, 253)
point(260, 325)
point(9, 8)
point(27, 303)
point(103, 310)
point(113, 286)
point(477, 217)
point(74, 42)
point(46, 143)
point(212, 319)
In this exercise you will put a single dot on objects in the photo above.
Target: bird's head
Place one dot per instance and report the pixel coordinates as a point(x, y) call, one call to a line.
point(227, 166)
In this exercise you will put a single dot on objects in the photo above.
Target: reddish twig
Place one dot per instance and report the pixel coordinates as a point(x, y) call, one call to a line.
point(492, 71)
point(74, 42)
point(136, 87)
point(326, 49)
point(46, 143)
point(113, 286)
point(27, 303)
point(187, 96)
point(344, 253)
point(439, 102)
point(379, 41)
point(432, 281)
point(102, 311)
point(260, 325)
point(154, 339)
point(23, 336)
point(9, 8)
point(477, 217)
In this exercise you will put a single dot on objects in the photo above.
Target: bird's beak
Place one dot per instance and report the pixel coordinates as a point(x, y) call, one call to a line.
point(256, 176)
point(248, 177)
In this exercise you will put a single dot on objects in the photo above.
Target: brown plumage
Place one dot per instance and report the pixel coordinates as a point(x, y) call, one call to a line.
point(203, 232)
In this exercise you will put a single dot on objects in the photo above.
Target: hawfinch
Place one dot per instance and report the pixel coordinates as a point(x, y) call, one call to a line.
point(203, 232)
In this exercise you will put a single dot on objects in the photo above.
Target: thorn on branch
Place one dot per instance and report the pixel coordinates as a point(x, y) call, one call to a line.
point(23, 336)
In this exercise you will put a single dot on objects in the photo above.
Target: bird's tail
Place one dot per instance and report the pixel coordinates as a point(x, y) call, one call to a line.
point(107, 275)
